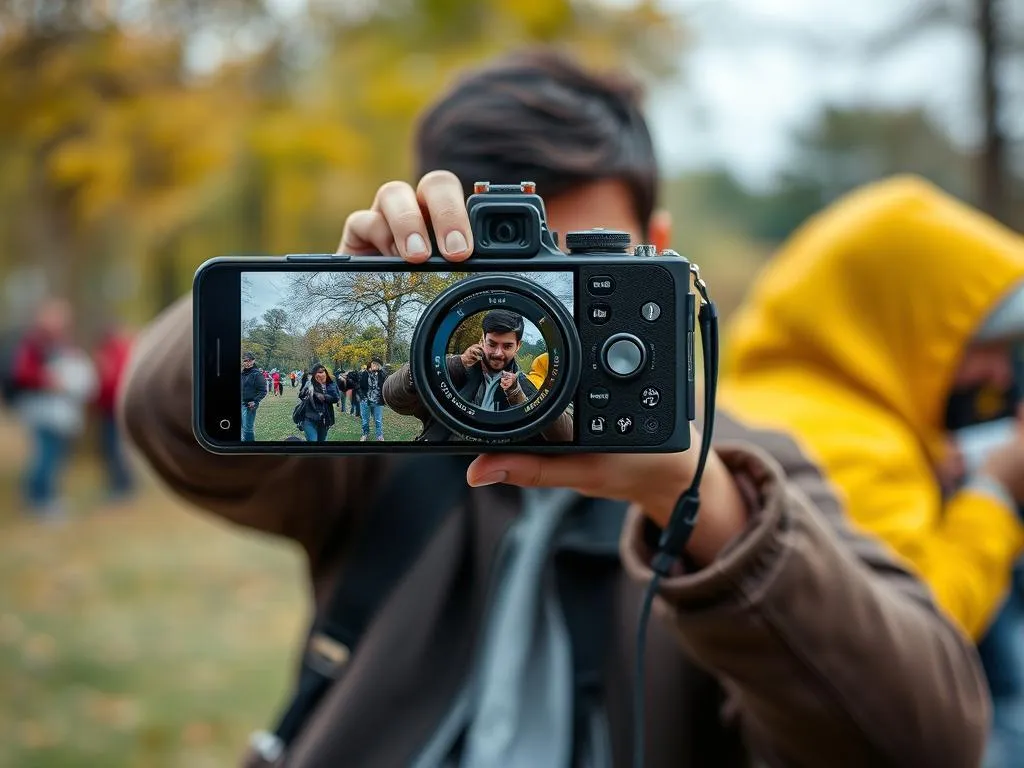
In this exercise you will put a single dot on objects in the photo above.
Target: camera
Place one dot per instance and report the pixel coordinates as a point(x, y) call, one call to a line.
point(615, 332)
point(587, 347)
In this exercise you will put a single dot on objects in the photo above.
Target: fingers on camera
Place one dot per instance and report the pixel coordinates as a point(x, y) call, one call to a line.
point(366, 231)
point(440, 193)
point(397, 201)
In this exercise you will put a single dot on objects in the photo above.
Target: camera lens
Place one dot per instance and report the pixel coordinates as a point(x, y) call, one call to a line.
point(491, 330)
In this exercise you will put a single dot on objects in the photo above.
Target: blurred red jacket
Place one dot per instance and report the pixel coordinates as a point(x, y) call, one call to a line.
point(111, 359)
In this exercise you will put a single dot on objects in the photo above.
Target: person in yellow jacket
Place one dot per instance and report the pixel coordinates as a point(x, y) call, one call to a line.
point(539, 370)
point(854, 338)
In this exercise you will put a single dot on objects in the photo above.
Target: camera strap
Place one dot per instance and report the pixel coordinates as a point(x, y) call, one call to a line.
point(682, 521)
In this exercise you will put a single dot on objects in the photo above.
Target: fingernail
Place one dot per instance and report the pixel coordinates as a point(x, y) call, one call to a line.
point(490, 479)
point(455, 243)
point(415, 245)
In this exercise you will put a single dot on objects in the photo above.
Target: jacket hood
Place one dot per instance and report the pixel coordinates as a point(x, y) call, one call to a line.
point(880, 294)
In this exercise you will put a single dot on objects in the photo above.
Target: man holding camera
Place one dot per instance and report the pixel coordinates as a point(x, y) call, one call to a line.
point(785, 637)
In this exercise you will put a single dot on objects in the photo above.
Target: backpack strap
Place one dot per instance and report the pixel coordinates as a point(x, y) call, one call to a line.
point(587, 569)
point(389, 542)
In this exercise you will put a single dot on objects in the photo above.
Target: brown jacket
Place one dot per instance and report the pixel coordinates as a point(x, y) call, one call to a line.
point(804, 644)
point(403, 398)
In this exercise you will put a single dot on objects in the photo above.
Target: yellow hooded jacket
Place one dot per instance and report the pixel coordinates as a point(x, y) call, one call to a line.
point(850, 340)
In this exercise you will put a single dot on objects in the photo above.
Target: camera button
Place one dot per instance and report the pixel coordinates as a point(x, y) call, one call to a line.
point(601, 285)
point(623, 355)
point(624, 425)
point(598, 425)
point(600, 313)
point(650, 425)
point(650, 311)
point(599, 397)
point(650, 397)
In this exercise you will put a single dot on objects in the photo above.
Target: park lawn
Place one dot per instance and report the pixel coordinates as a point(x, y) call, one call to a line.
point(274, 422)
point(141, 636)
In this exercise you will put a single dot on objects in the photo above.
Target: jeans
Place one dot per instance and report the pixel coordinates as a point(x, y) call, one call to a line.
point(118, 473)
point(1002, 655)
point(314, 432)
point(249, 424)
point(354, 402)
point(51, 450)
point(378, 418)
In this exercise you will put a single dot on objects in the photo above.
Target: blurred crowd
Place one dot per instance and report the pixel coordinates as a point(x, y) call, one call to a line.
point(54, 388)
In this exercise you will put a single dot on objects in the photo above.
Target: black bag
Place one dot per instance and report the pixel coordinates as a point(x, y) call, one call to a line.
point(299, 413)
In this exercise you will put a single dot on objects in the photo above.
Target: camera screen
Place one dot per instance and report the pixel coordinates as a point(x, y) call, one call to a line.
point(353, 356)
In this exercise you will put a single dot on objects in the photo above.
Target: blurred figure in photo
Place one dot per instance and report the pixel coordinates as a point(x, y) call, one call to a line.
point(55, 381)
point(111, 357)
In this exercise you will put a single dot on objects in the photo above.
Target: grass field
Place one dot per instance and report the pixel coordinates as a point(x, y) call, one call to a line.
point(274, 422)
point(142, 636)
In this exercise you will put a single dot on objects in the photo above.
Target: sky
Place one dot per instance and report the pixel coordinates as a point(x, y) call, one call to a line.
point(266, 290)
point(752, 77)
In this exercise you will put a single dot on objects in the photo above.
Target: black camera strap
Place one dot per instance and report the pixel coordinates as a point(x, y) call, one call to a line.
point(676, 534)
point(390, 541)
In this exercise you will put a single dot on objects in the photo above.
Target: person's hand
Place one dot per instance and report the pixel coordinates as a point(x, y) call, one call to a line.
point(508, 380)
point(654, 481)
point(395, 224)
point(321, 396)
point(1006, 463)
point(473, 355)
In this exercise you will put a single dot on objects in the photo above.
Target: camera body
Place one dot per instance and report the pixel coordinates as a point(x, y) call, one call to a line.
point(613, 324)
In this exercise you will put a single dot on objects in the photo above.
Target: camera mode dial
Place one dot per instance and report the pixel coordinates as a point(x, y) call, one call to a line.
point(600, 240)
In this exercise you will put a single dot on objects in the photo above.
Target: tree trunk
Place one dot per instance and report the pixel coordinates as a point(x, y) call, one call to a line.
point(992, 168)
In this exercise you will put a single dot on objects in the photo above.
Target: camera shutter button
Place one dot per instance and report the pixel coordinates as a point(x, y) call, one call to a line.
point(623, 355)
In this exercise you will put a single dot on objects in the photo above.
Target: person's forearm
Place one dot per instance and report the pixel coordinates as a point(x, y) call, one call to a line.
point(834, 654)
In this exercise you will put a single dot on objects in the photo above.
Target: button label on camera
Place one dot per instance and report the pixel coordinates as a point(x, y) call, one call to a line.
point(650, 397)
point(597, 425)
point(600, 314)
point(601, 285)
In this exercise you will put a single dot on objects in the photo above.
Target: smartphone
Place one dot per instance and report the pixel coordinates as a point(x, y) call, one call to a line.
point(523, 347)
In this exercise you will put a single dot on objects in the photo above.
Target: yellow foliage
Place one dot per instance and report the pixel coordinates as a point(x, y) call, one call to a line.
point(116, 148)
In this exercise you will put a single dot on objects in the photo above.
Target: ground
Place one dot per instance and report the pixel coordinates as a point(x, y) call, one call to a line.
point(142, 635)
point(274, 421)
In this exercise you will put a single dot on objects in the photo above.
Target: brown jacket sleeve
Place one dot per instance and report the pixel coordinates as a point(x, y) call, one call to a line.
point(305, 498)
point(832, 653)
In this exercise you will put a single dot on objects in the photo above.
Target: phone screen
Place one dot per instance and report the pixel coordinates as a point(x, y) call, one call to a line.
point(327, 356)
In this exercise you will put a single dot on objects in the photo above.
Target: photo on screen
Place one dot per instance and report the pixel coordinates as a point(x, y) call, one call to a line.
point(329, 356)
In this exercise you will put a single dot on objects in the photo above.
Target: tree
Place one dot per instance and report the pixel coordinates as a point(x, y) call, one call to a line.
point(393, 301)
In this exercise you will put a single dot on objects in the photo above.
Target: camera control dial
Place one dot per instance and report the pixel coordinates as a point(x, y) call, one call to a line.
point(623, 355)
point(599, 240)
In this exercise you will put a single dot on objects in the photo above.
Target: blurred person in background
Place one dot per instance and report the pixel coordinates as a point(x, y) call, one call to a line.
point(111, 358)
point(863, 336)
point(55, 381)
point(782, 637)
